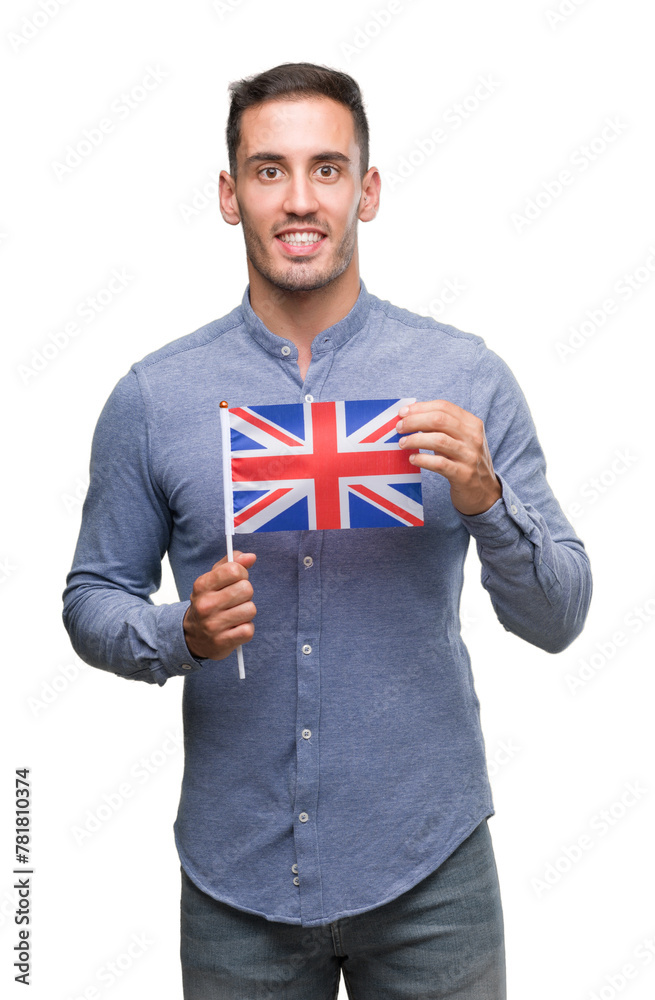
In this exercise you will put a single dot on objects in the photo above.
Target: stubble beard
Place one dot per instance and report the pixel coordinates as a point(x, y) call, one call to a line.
point(298, 275)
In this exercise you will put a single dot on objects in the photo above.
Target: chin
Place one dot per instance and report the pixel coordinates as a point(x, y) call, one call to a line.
point(291, 280)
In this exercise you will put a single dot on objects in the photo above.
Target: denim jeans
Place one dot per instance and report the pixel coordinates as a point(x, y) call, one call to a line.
point(443, 938)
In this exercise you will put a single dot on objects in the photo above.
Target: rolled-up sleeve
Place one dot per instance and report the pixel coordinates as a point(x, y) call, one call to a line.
point(534, 566)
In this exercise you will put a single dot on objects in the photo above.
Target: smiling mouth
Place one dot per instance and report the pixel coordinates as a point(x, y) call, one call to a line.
point(300, 247)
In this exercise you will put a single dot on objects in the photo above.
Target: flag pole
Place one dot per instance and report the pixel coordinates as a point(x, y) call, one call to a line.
point(227, 501)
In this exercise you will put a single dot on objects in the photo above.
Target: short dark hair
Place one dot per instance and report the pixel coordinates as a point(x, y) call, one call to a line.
point(288, 81)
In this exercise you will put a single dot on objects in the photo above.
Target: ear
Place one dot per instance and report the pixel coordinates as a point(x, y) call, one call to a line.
point(369, 202)
point(227, 198)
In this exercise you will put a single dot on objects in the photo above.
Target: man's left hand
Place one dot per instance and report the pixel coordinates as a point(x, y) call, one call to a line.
point(461, 453)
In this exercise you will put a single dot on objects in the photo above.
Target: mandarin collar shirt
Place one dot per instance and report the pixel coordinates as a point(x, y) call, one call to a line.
point(350, 761)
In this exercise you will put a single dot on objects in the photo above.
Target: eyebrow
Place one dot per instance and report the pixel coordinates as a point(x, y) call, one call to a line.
point(328, 155)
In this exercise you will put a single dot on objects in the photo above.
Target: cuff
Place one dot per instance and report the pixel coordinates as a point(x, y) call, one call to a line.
point(174, 655)
point(503, 523)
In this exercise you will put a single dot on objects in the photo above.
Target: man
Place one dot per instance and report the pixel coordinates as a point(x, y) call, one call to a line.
point(342, 785)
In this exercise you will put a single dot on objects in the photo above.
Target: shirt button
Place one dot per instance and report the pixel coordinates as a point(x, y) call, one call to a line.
point(306, 648)
point(294, 868)
point(306, 733)
point(303, 817)
point(309, 398)
point(296, 881)
point(514, 509)
point(308, 561)
point(286, 350)
point(186, 666)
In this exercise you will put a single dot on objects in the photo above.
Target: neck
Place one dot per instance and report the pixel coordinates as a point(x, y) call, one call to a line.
point(301, 316)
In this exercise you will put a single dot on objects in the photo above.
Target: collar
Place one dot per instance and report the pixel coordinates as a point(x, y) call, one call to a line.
point(328, 340)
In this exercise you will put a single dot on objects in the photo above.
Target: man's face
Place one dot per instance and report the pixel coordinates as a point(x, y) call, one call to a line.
point(298, 169)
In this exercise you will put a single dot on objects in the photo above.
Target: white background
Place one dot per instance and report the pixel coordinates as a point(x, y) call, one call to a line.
point(558, 757)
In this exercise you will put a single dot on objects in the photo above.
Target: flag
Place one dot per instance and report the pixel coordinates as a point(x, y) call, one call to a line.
point(321, 465)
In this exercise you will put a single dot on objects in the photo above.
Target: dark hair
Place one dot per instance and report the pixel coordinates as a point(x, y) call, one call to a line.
point(288, 82)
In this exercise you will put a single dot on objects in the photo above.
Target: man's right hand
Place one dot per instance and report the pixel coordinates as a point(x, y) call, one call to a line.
point(220, 615)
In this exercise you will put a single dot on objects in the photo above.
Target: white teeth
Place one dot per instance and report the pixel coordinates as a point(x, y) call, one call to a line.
point(298, 238)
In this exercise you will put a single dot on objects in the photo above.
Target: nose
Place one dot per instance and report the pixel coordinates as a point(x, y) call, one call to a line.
point(299, 197)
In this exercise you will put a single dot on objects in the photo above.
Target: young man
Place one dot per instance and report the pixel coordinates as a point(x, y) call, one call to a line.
point(334, 803)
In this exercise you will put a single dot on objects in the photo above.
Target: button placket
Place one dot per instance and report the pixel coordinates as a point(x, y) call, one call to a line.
point(307, 719)
point(315, 377)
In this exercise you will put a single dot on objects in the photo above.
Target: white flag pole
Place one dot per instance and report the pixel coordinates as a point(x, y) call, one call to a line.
point(228, 503)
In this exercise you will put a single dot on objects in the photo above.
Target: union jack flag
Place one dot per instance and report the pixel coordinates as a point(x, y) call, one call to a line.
point(322, 465)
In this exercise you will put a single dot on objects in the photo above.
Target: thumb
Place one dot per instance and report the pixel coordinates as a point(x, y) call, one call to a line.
point(246, 559)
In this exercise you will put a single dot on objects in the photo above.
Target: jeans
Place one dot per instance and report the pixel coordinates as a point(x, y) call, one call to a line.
point(442, 938)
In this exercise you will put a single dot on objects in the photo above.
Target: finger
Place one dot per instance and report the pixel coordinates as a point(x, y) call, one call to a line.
point(211, 603)
point(446, 467)
point(231, 618)
point(435, 419)
point(222, 574)
point(239, 634)
point(442, 444)
point(433, 404)
point(245, 558)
